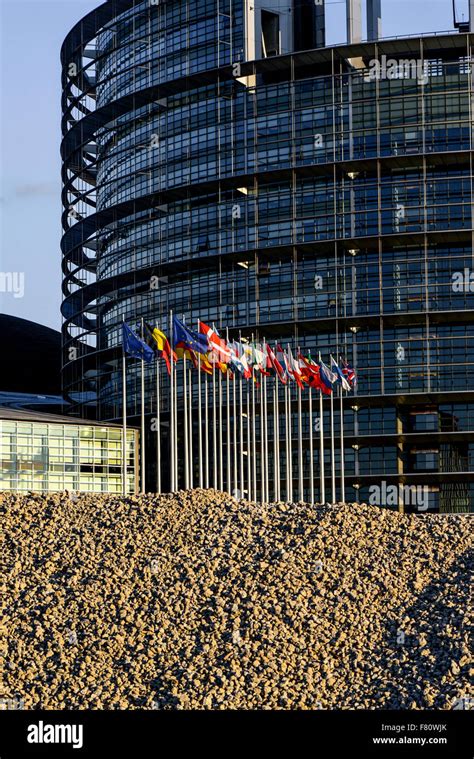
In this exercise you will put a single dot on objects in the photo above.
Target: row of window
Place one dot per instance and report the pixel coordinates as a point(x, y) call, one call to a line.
point(136, 39)
point(223, 119)
point(42, 457)
point(153, 168)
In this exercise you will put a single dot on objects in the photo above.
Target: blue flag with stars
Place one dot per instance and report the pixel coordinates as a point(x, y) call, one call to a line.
point(135, 347)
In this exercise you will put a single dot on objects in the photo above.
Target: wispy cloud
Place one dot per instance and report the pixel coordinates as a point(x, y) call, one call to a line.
point(38, 189)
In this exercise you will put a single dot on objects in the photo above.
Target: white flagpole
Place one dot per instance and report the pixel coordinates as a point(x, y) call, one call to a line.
point(185, 424)
point(241, 429)
point(175, 416)
point(300, 446)
point(200, 422)
point(227, 432)
point(311, 453)
point(333, 463)
point(171, 410)
point(158, 428)
point(276, 440)
point(206, 432)
point(249, 458)
point(214, 428)
point(143, 469)
point(265, 426)
point(322, 483)
point(343, 485)
point(228, 457)
point(290, 446)
point(190, 420)
point(262, 453)
point(221, 452)
point(287, 453)
point(234, 434)
point(175, 432)
point(254, 436)
point(241, 435)
point(290, 436)
point(124, 416)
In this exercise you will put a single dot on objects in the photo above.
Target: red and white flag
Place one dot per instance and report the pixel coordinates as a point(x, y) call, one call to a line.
point(217, 343)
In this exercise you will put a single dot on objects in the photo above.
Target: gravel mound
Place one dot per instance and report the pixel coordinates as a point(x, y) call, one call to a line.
point(196, 600)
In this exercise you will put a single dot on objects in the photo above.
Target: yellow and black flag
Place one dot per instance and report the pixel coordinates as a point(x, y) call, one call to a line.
point(157, 340)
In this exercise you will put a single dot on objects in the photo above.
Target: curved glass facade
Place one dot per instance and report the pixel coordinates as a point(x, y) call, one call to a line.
point(296, 197)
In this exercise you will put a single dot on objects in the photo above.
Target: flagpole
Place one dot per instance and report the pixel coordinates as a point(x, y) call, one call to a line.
point(206, 432)
point(185, 424)
point(265, 425)
point(143, 469)
point(254, 436)
point(171, 409)
point(249, 458)
point(175, 416)
point(300, 444)
point(287, 450)
point(321, 449)
point(333, 463)
point(228, 461)
point(262, 446)
point(190, 419)
point(228, 465)
point(343, 485)
point(214, 428)
point(300, 448)
point(241, 424)
point(124, 416)
point(290, 437)
point(158, 428)
point(254, 440)
point(311, 452)
point(276, 440)
point(234, 436)
point(241, 434)
point(221, 451)
point(200, 420)
point(290, 446)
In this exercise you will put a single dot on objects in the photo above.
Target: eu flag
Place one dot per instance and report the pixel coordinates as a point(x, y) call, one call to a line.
point(188, 339)
point(134, 346)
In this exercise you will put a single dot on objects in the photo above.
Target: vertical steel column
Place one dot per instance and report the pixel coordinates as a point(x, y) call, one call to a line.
point(374, 19)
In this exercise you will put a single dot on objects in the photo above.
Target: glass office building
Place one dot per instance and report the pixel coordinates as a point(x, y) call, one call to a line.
point(320, 197)
point(47, 452)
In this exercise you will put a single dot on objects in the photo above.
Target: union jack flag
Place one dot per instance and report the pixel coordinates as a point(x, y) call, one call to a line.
point(349, 373)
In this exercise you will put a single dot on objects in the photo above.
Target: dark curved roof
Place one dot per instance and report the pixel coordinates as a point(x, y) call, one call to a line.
point(30, 357)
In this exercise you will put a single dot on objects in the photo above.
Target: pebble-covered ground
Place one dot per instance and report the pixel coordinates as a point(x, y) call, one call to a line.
point(196, 600)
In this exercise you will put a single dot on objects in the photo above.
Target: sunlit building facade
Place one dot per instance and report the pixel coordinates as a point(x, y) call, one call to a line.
point(223, 167)
point(42, 452)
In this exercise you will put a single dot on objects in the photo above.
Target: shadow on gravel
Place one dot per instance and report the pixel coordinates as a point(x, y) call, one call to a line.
point(420, 648)
point(163, 698)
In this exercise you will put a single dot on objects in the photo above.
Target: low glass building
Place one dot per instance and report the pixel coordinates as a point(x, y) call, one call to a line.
point(45, 452)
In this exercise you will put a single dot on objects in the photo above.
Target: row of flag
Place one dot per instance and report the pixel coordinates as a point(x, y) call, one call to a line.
point(208, 350)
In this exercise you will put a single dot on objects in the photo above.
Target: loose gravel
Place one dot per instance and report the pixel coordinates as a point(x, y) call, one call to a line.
point(196, 600)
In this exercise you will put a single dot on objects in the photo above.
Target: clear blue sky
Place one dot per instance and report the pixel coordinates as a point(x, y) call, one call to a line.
point(31, 33)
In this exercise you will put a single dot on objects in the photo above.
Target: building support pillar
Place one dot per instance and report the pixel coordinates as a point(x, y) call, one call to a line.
point(354, 20)
point(374, 19)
